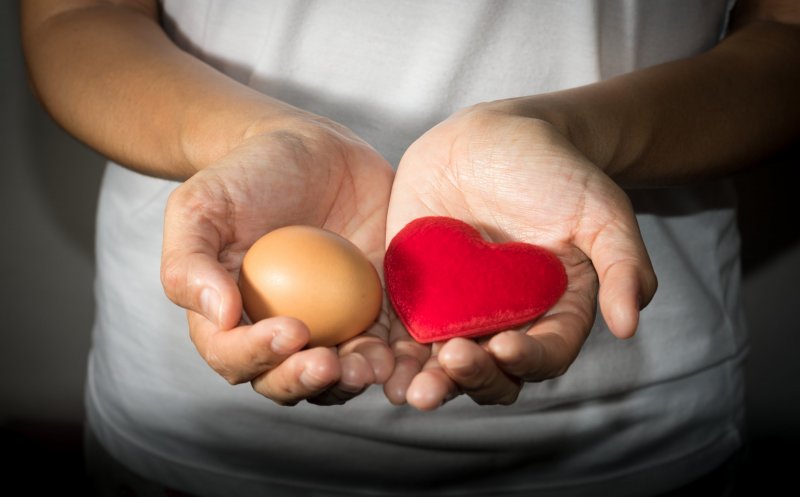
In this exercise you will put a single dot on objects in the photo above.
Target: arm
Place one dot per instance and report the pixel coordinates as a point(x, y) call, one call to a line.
point(690, 119)
point(546, 169)
point(109, 74)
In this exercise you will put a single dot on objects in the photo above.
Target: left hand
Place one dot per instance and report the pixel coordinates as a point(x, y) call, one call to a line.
point(521, 180)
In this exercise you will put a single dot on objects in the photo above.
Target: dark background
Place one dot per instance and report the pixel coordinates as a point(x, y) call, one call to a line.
point(48, 189)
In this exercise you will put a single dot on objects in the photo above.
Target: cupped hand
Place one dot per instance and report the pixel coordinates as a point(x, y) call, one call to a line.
point(517, 178)
point(311, 172)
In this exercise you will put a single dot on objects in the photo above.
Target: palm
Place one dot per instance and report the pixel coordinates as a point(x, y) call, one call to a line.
point(270, 185)
point(515, 179)
point(213, 218)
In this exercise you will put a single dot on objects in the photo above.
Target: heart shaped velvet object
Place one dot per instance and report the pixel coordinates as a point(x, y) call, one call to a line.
point(445, 281)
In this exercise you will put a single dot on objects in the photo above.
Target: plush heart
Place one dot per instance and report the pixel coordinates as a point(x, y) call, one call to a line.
point(445, 281)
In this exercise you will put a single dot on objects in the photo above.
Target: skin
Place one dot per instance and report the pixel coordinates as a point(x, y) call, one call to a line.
point(241, 155)
point(552, 197)
point(239, 152)
point(273, 180)
point(547, 169)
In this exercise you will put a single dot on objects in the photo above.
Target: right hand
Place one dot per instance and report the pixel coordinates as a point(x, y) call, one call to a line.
point(312, 172)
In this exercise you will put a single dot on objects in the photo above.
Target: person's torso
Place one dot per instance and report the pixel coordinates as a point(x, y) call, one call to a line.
point(390, 71)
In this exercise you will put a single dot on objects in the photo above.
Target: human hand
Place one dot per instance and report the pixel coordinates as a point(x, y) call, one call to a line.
point(517, 178)
point(313, 172)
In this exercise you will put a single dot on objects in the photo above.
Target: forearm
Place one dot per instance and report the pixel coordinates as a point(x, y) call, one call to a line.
point(687, 120)
point(111, 77)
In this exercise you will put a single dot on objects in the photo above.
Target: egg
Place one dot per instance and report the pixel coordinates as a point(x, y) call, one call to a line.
point(313, 275)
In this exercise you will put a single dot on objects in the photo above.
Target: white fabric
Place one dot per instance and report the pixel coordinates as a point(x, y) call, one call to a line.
point(635, 417)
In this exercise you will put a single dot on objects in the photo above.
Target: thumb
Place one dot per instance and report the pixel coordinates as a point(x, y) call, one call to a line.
point(626, 276)
point(626, 286)
point(191, 273)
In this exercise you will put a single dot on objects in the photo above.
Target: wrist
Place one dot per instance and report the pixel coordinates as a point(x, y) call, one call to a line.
point(538, 107)
point(314, 135)
point(206, 136)
point(592, 137)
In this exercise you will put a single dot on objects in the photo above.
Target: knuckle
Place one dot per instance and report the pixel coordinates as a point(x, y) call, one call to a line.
point(260, 358)
point(222, 369)
point(252, 354)
point(470, 382)
point(229, 376)
point(172, 274)
point(232, 379)
point(179, 196)
point(181, 201)
point(410, 349)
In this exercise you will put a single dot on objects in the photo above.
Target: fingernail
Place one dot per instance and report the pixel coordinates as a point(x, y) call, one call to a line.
point(210, 303)
point(283, 343)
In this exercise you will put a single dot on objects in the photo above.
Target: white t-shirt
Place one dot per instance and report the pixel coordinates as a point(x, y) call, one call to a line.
point(633, 417)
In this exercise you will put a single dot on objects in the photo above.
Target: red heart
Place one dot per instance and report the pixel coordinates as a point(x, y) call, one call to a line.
point(445, 281)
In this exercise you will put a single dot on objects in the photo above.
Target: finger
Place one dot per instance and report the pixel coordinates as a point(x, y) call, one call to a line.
point(624, 270)
point(551, 344)
point(356, 375)
point(364, 360)
point(409, 358)
point(431, 387)
point(191, 274)
point(303, 375)
point(405, 369)
point(543, 355)
point(244, 352)
point(476, 373)
point(373, 347)
point(624, 290)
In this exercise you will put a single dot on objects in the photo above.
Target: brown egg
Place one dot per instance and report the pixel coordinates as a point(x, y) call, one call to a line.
point(315, 276)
